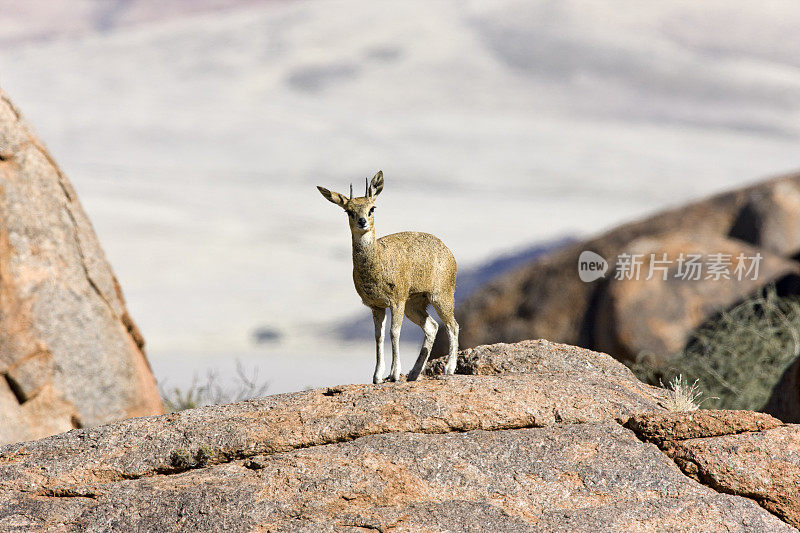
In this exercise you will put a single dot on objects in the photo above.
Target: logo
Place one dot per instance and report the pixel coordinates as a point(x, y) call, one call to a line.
point(591, 266)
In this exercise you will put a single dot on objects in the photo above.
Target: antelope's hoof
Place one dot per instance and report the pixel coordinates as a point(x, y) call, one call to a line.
point(392, 379)
point(377, 381)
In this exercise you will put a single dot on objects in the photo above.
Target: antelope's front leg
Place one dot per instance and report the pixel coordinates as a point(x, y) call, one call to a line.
point(379, 318)
point(397, 322)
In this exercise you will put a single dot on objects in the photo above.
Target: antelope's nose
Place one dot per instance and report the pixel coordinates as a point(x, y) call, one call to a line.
point(362, 222)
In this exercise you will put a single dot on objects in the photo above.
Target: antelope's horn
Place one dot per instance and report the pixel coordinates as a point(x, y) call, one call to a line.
point(367, 192)
point(351, 191)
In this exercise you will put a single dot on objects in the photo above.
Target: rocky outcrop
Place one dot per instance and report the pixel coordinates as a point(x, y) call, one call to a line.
point(734, 452)
point(627, 318)
point(657, 316)
point(70, 354)
point(536, 441)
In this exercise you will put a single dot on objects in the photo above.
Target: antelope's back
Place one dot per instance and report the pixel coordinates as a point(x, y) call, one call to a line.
point(427, 262)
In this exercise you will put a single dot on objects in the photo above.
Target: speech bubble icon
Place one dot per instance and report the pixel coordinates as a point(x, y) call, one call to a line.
point(591, 266)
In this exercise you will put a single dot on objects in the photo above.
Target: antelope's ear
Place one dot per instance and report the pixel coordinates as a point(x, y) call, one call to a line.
point(376, 186)
point(334, 197)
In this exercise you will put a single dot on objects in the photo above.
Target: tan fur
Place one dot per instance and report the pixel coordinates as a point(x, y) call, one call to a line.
point(404, 272)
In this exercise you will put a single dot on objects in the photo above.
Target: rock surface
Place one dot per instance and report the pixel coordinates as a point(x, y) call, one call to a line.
point(662, 428)
point(657, 316)
point(571, 385)
point(535, 442)
point(70, 355)
point(556, 479)
point(735, 452)
point(547, 299)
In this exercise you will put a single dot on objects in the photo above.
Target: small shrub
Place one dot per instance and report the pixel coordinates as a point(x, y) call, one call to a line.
point(180, 458)
point(204, 455)
point(683, 396)
point(211, 392)
point(738, 357)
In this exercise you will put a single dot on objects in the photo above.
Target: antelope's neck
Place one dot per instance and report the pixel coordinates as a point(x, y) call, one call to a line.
point(365, 251)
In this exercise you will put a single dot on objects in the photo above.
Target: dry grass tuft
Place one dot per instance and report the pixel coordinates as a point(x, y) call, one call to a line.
point(211, 392)
point(683, 396)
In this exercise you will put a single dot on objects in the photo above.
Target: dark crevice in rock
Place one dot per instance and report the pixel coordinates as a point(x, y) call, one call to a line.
point(708, 480)
point(181, 460)
point(75, 421)
point(83, 264)
point(125, 320)
point(693, 470)
point(254, 464)
point(68, 492)
point(737, 432)
point(22, 386)
point(64, 188)
point(42, 150)
point(19, 394)
point(133, 331)
point(368, 527)
point(586, 331)
point(746, 225)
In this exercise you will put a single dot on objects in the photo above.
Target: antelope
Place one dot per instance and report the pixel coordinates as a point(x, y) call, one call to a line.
point(404, 272)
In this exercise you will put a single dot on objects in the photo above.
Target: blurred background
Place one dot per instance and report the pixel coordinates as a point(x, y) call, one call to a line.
point(195, 132)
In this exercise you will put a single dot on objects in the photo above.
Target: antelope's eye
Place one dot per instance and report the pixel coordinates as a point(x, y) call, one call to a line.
point(350, 214)
point(371, 209)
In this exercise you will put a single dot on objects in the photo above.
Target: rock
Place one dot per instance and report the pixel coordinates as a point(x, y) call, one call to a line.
point(771, 219)
point(734, 452)
point(765, 466)
point(534, 442)
point(784, 402)
point(555, 479)
point(701, 424)
point(541, 357)
point(70, 355)
point(657, 316)
point(29, 375)
point(570, 385)
point(547, 299)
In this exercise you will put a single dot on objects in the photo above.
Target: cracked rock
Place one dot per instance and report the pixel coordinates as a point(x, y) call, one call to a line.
point(536, 443)
point(68, 349)
point(734, 452)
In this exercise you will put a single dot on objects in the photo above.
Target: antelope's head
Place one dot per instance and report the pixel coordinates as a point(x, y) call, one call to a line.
point(360, 210)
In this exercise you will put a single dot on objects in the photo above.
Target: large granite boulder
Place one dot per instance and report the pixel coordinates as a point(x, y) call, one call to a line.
point(70, 354)
point(534, 440)
point(657, 316)
point(547, 299)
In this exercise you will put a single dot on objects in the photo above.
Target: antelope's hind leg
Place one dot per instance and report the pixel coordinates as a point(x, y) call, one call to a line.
point(379, 318)
point(418, 314)
point(445, 307)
